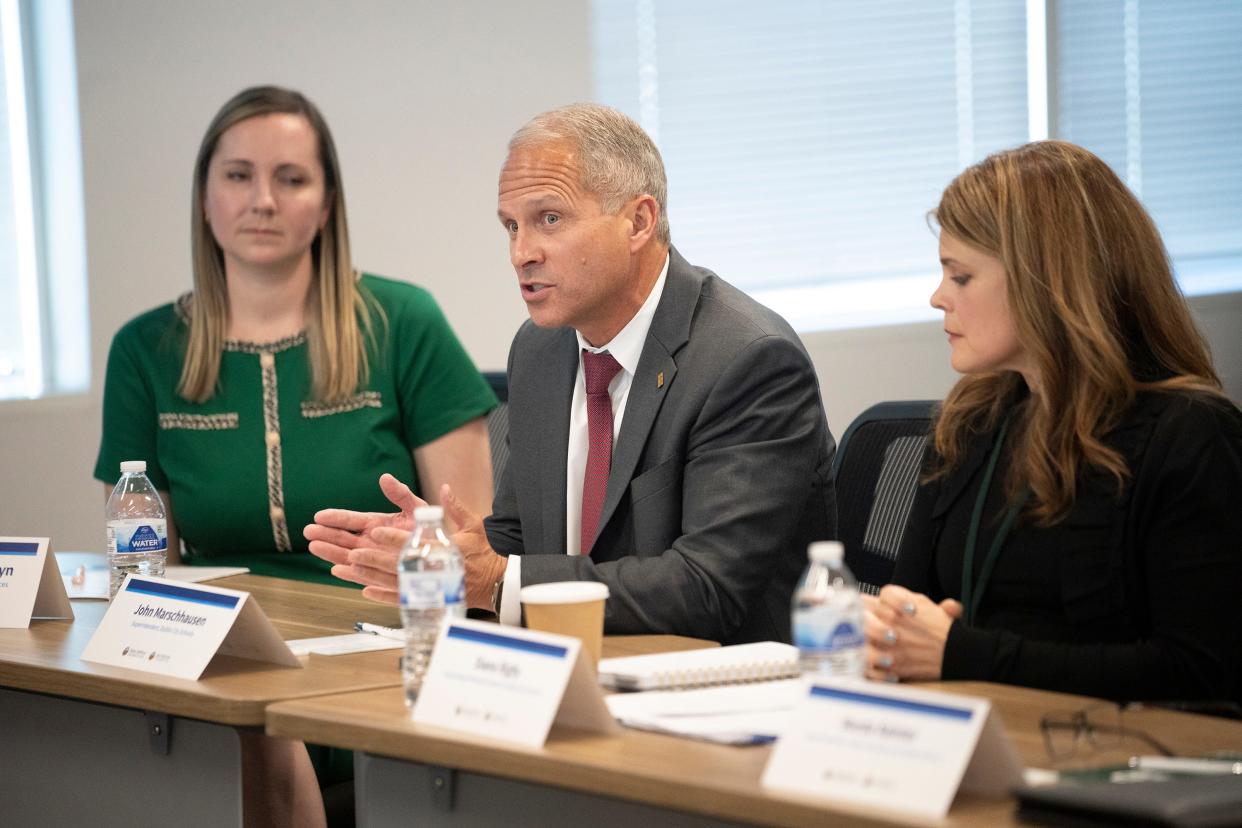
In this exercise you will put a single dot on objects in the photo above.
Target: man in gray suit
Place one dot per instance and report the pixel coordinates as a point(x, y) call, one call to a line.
point(666, 431)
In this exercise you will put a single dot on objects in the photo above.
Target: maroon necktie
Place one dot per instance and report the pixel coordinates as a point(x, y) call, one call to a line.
point(598, 370)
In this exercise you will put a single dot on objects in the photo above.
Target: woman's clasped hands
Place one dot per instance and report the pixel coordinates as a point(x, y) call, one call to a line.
point(906, 634)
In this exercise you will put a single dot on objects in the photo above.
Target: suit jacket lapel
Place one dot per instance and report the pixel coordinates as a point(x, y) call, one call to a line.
point(670, 330)
point(555, 397)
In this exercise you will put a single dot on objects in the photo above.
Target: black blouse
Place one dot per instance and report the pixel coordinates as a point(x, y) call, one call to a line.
point(1131, 596)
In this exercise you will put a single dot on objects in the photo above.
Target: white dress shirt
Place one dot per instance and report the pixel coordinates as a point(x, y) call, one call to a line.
point(626, 348)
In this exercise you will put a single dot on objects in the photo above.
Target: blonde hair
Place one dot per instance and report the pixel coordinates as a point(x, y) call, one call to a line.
point(338, 308)
point(1093, 299)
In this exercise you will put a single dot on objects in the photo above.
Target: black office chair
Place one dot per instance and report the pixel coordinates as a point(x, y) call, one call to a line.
point(498, 422)
point(876, 472)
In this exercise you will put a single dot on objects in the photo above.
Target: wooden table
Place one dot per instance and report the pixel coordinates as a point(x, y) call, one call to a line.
point(645, 778)
point(81, 740)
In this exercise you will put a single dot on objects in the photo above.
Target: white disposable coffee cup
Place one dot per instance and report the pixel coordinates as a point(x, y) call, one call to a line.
point(570, 608)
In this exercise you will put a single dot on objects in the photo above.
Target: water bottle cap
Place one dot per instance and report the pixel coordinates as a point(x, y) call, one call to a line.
point(133, 466)
point(424, 514)
point(826, 552)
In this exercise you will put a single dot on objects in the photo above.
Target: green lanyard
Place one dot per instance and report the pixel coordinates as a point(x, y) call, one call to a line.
point(972, 591)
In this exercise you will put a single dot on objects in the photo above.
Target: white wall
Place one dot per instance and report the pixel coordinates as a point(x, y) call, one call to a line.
point(421, 97)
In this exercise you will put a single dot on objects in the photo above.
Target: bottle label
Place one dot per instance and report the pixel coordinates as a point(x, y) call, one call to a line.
point(455, 592)
point(137, 536)
point(422, 590)
point(826, 632)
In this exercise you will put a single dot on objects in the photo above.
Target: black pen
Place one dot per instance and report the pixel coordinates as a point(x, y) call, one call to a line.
point(376, 629)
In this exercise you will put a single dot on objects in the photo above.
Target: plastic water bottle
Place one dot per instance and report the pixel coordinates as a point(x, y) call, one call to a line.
point(828, 616)
point(137, 527)
point(431, 578)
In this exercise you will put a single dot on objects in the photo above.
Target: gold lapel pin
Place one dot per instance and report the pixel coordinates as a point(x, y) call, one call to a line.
point(660, 380)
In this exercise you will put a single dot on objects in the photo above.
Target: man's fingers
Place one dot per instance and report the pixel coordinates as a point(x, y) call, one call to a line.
point(346, 519)
point(389, 539)
point(330, 552)
point(336, 537)
point(456, 510)
point(400, 494)
point(370, 576)
point(380, 594)
point(386, 594)
point(383, 559)
point(346, 573)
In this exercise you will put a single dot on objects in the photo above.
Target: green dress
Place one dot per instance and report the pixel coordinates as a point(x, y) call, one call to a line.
point(248, 468)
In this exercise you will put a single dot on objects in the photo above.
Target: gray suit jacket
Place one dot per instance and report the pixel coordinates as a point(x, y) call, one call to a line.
point(719, 476)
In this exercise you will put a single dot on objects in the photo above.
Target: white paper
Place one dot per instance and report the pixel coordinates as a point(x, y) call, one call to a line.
point(85, 574)
point(86, 583)
point(742, 714)
point(199, 574)
point(509, 684)
point(175, 629)
point(30, 586)
point(890, 746)
point(342, 644)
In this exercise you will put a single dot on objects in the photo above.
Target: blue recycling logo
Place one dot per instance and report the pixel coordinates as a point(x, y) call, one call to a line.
point(845, 636)
point(823, 632)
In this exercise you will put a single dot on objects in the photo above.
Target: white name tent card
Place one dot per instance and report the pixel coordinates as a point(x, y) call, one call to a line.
point(175, 629)
point(891, 746)
point(30, 584)
point(509, 684)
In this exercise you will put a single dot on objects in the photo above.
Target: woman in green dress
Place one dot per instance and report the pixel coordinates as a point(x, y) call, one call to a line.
point(286, 381)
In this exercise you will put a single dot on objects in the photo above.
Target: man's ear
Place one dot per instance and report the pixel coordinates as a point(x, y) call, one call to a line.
point(644, 215)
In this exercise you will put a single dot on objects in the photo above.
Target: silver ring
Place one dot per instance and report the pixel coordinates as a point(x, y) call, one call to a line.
point(891, 678)
point(908, 608)
point(884, 662)
point(890, 637)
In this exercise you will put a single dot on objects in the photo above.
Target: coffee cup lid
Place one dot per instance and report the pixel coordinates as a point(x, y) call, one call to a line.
point(564, 592)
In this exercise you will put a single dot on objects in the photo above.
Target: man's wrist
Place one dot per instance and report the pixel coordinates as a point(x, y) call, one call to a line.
point(499, 568)
point(498, 589)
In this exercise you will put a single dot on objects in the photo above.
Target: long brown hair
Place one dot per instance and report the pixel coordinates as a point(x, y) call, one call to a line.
point(338, 310)
point(1093, 299)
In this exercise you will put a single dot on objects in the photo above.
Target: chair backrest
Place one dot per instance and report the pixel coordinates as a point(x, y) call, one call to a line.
point(498, 423)
point(876, 471)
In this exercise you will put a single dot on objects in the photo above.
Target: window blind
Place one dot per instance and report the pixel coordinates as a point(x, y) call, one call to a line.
point(1155, 89)
point(21, 372)
point(43, 316)
point(805, 141)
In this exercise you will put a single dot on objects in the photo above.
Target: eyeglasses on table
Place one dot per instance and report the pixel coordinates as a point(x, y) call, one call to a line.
point(1097, 727)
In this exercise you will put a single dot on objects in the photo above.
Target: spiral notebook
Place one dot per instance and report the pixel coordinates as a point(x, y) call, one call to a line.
point(734, 664)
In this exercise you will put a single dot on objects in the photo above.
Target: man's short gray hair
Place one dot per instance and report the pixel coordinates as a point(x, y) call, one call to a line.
point(618, 159)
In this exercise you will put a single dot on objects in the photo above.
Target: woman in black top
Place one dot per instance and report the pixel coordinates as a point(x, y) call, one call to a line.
point(1079, 523)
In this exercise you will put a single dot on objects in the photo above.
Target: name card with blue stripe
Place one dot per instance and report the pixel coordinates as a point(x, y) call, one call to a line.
point(175, 629)
point(27, 570)
point(509, 684)
point(894, 747)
